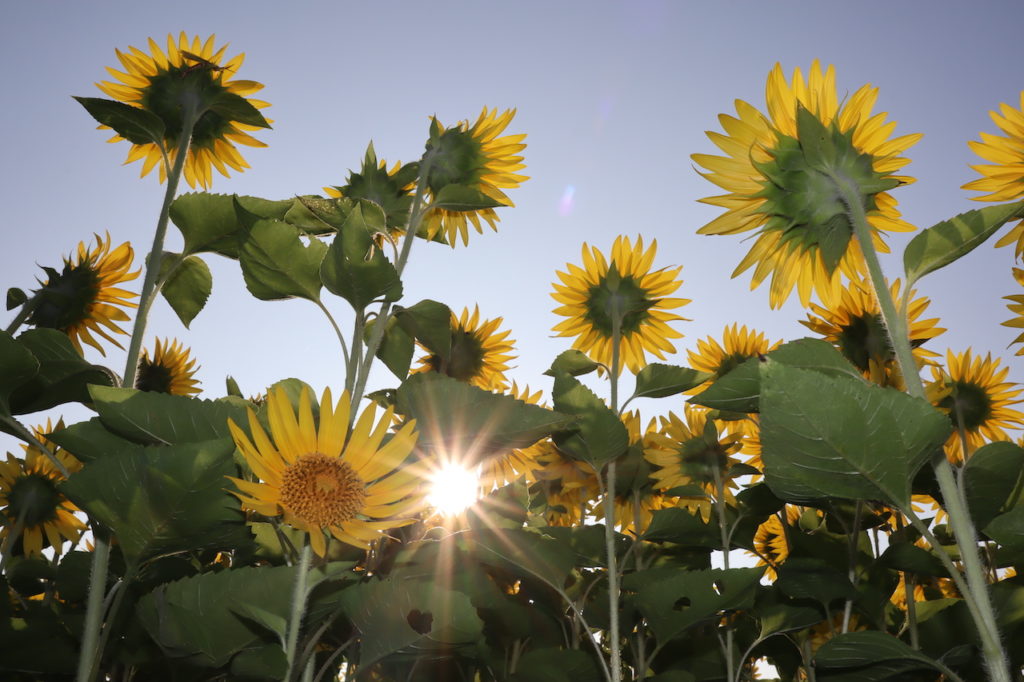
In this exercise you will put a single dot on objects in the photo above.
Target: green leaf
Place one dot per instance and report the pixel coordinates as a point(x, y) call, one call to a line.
point(456, 418)
point(163, 500)
point(15, 298)
point(17, 366)
point(90, 440)
point(213, 222)
point(945, 242)
point(903, 556)
point(318, 215)
point(187, 287)
point(463, 198)
point(430, 322)
point(396, 348)
point(807, 578)
point(63, 375)
point(134, 124)
point(868, 656)
point(572, 362)
point(277, 265)
point(682, 527)
point(598, 435)
point(673, 600)
point(837, 436)
point(354, 268)
point(556, 665)
point(660, 381)
point(238, 108)
point(163, 419)
point(535, 552)
point(1008, 529)
point(776, 618)
point(993, 480)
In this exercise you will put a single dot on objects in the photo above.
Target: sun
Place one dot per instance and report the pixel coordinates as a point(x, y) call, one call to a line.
point(453, 489)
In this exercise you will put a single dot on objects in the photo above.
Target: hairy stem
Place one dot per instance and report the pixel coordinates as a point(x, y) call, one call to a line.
point(297, 611)
point(90, 654)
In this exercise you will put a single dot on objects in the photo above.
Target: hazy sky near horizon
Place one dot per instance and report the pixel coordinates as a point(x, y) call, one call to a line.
point(614, 97)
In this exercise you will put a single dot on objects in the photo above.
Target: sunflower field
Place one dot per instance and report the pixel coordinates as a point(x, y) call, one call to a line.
point(848, 506)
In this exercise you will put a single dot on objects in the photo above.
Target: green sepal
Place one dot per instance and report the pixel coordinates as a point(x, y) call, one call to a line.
point(16, 297)
point(385, 397)
point(660, 381)
point(236, 108)
point(454, 417)
point(598, 435)
point(231, 387)
point(354, 267)
point(187, 284)
point(277, 265)
point(430, 323)
point(869, 656)
point(392, 193)
point(134, 124)
point(463, 198)
point(572, 362)
point(945, 242)
point(396, 347)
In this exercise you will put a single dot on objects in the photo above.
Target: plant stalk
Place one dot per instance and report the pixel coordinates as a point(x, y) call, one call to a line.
point(91, 655)
point(297, 611)
point(615, 664)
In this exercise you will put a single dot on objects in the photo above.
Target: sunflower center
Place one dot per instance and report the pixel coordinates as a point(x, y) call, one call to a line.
point(169, 91)
point(628, 301)
point(863, 339)
point(969, 403)
point(455, 159)
point(153, 377)
point(323, 491)
point(34, 498)
point(66, 297)
point(466, 359)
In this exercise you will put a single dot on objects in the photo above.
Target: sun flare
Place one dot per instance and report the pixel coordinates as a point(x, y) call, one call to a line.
point(453, 489)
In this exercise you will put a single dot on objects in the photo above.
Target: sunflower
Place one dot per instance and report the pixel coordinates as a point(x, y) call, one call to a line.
point(770, 542)
point(160, 83)
point(319, 477)
point(1016, 307)
point(29, 497)
point(974, 392)
point(82, 300)
point(519, 463)
point(569, 486)
point(592, 295)
point(479, 352)
point(1003, 178)
point(170, 370)
point(392, 190)
point(474, 157)
point(785, 188)
point(853, 322)
point(718, 359)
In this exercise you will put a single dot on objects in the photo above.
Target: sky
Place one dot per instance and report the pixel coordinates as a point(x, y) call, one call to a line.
point(614, 98)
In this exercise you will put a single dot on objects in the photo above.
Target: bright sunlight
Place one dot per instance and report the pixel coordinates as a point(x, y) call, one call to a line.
point(453, 488)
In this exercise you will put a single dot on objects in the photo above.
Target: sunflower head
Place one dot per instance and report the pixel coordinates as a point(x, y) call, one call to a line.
point(474, 157)
point(321, 477)
point(479, 353)
point(771, 544)
point(737, 346)
point(29, 497)
point(83, 298)
point(569, 486)
point(392, 190)
point(974, 392)
point(1016, 306)
point(169, 370)
point(693, 449)
point(853, 322)
point(625, 291)
point(190, 75)
point(783, 173)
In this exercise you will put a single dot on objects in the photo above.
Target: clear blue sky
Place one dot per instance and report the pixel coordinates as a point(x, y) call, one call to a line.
point(614, 97)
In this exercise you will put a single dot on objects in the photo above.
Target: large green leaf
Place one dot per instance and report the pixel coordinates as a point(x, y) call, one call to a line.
point(137, 125)
point(212, 222)
point(90, 440)
point(354, 267)
point(430, 322)
point(163, 500)
point(807, 578)
point(17, 366)
point(318, 215)
point(993, 479)
point(682, 527)
point(63, 375)
point(454, 417)
point(535, 552)
point(163, 419)
point(943, 243)
point(598, 435)
point(780, 617)
point(837, 436)
point(393, 615)
point(276, 264)
point(660, 381)
point(396, 348)
point(556, 665)
point(673, 600)
point(187, 286)
point(868, 656)
point(572, 362)
point(1008, 529)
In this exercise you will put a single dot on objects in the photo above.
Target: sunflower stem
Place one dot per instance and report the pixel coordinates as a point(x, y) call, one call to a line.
point(90, 654)
point(723, 528)
point(149, 283)
point(952, 495)
point(26, 309)
point(341, 337)
point(12, 536)
point(297, 611)
point(615, 665)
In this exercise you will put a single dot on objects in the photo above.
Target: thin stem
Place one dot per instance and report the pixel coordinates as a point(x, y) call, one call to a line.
point(356, 360)
point(851, 573)
point(615, 645)
point(26, 309)
point(90, 651)
point(298, 610)
point(12, 536)
point(952, 495)
point(723, 529)
point(149, 283)
point(337, 330)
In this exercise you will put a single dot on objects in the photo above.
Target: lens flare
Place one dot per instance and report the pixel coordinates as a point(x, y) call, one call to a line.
point(566, 203)
point(453, 489)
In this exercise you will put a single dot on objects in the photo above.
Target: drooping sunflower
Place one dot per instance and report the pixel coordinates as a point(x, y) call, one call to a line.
point(1003, 178)
point(479, 352)
point(29, 497)
point(322, 479)
point(853, 322)
point(592, 296)
point(476, 157)
point(718, 359)
point(770, 541)
point(1016, 307)
point(190, 70)
point(170, 370)
point(83, 298)
point(974, 392)
point(785, 188)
